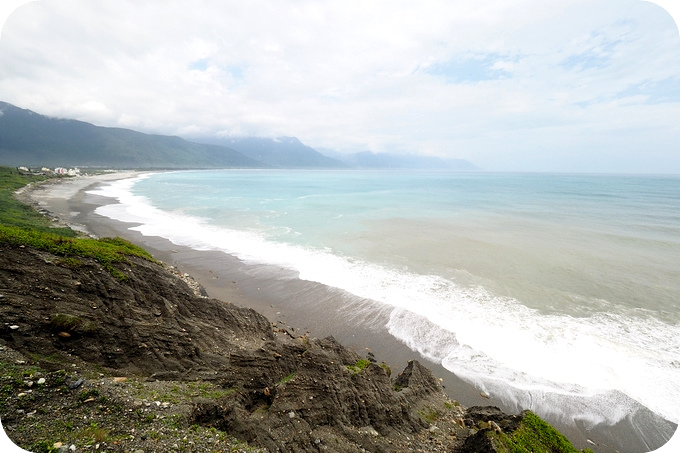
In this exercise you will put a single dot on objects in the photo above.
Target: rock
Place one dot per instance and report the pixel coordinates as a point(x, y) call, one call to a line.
point(76, 384)
point(488, 419)
point(369, 430)
point(286, 392)
point(41, 381)
point(419, 379)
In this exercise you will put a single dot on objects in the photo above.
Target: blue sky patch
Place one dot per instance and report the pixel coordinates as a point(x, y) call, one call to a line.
point(657, 92)
point(199, 65)
point(472, 69)
point(597, 57)
point(236, 72)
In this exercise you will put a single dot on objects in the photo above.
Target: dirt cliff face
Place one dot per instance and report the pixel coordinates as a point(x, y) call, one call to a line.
point(277, 390)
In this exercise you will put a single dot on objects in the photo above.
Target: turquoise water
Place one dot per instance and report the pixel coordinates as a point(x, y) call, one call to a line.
point(544, 290)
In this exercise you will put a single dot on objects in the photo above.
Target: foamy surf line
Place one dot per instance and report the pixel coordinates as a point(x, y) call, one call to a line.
point(598, 370)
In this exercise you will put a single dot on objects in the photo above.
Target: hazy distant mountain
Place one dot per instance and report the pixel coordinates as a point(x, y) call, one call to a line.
point(31, 139)
point(282, 152)
point(367, 159)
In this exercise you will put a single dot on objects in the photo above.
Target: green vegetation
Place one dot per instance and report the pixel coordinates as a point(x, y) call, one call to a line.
point(43, 446)
point(85, 395)
point(429, 414)
point(286, 379)
point(20, 225)
point(62, 321)
point(107, 251)
point(15, 213)
point(93, 434)
point(175, 392)
point(359, 366)
point(70, 262)
point(533, 436)
point(451, 404)
point(208, 390)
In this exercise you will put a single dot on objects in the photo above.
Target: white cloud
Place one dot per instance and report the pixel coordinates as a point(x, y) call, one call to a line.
point(508, 85)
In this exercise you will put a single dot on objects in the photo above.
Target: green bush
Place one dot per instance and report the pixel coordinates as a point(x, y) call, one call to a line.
point(64, 322)
point(359, 366)
point(534, 436)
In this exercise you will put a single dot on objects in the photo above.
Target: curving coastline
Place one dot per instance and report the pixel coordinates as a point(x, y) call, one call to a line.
point(73, 206)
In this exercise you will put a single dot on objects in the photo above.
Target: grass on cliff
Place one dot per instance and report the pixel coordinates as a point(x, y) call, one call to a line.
point(533, 436)
point(21, 225)
point(15, 213)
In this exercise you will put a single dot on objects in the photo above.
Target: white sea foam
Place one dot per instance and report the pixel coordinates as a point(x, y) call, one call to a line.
point(595, 369)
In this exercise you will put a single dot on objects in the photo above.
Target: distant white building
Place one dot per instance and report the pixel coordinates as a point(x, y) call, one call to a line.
point(67, 171)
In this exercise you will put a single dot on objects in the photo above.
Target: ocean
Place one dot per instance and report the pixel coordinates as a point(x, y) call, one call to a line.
point(554, 292)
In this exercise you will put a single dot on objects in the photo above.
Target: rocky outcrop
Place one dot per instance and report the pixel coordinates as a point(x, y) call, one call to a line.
point(289, 392)
point(279, 390)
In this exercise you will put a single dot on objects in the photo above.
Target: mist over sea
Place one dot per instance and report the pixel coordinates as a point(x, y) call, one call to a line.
point(558, 293)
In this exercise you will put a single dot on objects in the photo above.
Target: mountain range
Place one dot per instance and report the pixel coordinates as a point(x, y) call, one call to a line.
point(30, 139)
point(282, 152)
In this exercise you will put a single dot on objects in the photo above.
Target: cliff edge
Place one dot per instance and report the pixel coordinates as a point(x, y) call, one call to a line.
point(136, 360)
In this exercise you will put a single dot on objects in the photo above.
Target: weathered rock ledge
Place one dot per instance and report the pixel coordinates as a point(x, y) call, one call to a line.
point(273, 389)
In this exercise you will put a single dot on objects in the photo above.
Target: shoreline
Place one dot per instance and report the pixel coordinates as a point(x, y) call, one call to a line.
point(285, 301)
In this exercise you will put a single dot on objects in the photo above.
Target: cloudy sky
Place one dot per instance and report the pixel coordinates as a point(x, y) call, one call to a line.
point(516, 85)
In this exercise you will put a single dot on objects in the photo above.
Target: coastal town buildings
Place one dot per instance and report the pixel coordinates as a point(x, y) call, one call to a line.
point(56, 171)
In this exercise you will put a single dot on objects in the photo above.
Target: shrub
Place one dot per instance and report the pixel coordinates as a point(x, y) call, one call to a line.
point(359, 366)
point(64, 322)
point(534, 435)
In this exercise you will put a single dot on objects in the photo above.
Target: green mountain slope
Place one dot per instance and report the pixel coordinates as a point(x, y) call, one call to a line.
point(31, 139)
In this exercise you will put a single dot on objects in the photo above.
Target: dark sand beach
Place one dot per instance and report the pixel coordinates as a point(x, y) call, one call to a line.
point(287, 300)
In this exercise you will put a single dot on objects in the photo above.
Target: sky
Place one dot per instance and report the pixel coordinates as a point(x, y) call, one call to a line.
point(510, 85)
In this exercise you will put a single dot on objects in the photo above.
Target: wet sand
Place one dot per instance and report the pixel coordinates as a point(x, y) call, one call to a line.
point(302, 305)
